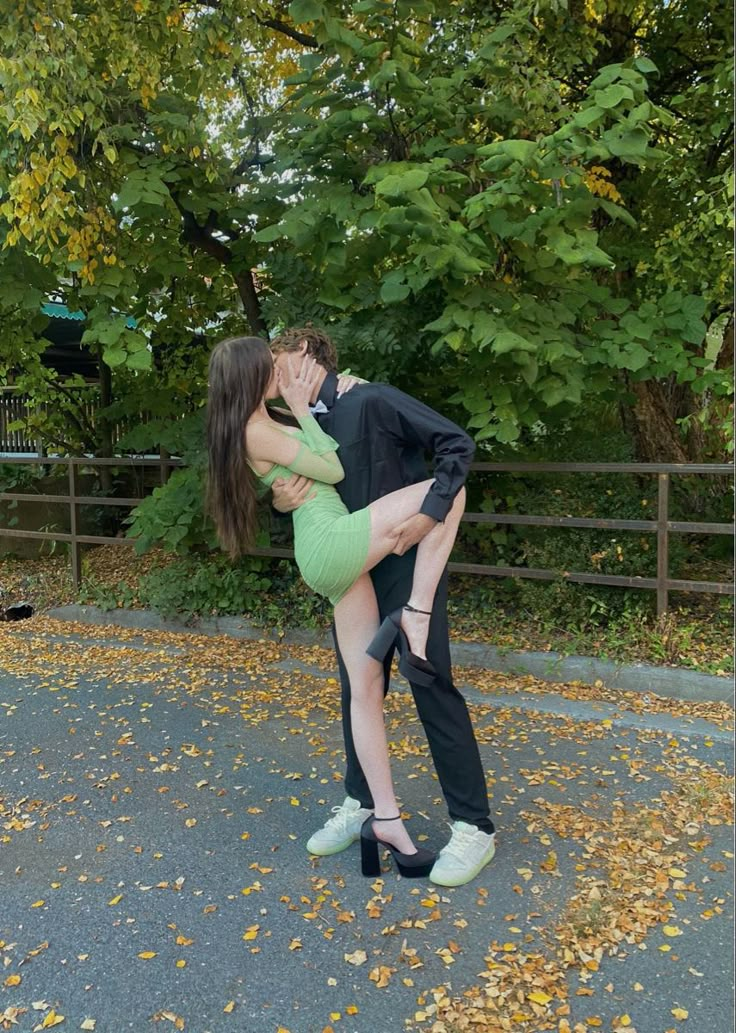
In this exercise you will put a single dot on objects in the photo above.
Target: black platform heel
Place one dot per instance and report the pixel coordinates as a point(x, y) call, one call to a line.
point(411, 866)
point(414, 668)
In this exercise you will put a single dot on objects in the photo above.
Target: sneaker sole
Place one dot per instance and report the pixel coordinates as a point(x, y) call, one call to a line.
point(462, 880)
point(337, 849)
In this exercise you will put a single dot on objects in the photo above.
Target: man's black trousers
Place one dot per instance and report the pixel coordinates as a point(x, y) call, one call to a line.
point(442, 710)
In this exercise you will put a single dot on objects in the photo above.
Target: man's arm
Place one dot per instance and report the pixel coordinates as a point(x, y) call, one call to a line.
point(452, 450)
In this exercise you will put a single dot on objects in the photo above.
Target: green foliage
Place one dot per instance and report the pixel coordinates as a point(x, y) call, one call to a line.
point(603, 551)
point(173, 516)
point(193, 585)
point(519, 208)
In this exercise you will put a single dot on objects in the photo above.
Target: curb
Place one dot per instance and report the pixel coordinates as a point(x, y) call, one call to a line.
point(671, 682)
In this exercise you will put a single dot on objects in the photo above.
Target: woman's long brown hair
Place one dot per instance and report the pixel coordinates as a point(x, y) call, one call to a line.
point(240, 370)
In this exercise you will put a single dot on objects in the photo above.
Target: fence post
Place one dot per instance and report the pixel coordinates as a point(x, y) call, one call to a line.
point(76, 553)
point(663, 544)
point(165, 469)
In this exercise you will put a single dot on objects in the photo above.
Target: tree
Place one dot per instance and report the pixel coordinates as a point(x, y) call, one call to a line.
point(516, 206)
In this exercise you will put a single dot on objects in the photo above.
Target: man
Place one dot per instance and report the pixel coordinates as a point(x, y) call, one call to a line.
point(383, 436)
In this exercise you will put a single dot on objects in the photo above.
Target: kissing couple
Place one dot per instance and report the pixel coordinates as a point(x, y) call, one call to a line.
point(373, 533)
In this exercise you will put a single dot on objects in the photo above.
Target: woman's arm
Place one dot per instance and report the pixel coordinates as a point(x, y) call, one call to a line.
point(316, 459)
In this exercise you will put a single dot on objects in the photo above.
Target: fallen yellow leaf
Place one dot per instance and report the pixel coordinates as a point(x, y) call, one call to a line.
point(52, 1019)
point(680, 1013)
point(147, 954)
point(539, 998)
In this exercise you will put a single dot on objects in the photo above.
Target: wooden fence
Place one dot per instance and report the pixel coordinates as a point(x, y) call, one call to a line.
point(15, 405)
point(662, 527)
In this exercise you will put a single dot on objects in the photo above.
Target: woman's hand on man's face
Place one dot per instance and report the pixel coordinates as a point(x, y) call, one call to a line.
point(297, 383)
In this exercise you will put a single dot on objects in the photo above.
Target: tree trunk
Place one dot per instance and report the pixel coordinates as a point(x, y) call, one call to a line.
point(653, 425)
point(251, 303)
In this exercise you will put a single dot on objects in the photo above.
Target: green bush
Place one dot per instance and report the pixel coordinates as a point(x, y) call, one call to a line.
point(195, 585)
point(173, 516)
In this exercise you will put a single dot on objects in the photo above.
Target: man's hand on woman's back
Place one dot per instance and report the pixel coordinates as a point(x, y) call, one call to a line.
point(290, 494)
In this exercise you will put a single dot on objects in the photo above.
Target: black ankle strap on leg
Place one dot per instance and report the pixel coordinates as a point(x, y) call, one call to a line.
point(413, 609)
point(396, 817)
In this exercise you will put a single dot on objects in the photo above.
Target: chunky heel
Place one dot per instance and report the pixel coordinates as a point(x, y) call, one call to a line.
point(370, 864)
point(414, 668)
point(383, 640)
point(411, 866)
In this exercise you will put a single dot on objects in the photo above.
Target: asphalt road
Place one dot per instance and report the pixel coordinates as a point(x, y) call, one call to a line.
point(155, 799)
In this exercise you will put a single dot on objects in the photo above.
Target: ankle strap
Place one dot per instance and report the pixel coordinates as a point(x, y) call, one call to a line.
point(396, 817)
point(413, 609)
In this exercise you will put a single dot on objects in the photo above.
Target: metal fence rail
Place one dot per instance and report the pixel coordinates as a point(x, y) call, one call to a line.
point(662, 527)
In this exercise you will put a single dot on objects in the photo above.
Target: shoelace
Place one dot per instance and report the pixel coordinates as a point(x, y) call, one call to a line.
point(460, 840)
point(342, 816)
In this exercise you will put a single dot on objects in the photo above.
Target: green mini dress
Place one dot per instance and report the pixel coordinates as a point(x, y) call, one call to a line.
point(330, 544)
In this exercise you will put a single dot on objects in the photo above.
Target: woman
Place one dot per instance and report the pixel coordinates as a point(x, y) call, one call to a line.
point(334, 551)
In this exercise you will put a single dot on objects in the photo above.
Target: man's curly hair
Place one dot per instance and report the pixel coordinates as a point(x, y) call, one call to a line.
point(319, 345)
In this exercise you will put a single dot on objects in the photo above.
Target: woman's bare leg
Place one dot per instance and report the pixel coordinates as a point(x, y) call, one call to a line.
point(356, 622)
point(433, 552)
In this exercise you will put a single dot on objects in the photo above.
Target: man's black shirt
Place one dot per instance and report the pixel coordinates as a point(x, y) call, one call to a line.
point(384, 437)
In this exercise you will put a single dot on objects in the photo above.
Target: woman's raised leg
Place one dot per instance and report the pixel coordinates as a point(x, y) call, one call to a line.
point(433, 552)
point(356, 622)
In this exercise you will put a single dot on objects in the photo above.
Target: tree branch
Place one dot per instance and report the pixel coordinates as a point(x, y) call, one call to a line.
point(200, 237)
point(288, 30)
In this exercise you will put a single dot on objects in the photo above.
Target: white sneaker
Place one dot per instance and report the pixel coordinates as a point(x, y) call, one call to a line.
point(467, 853)
point(339, 831)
